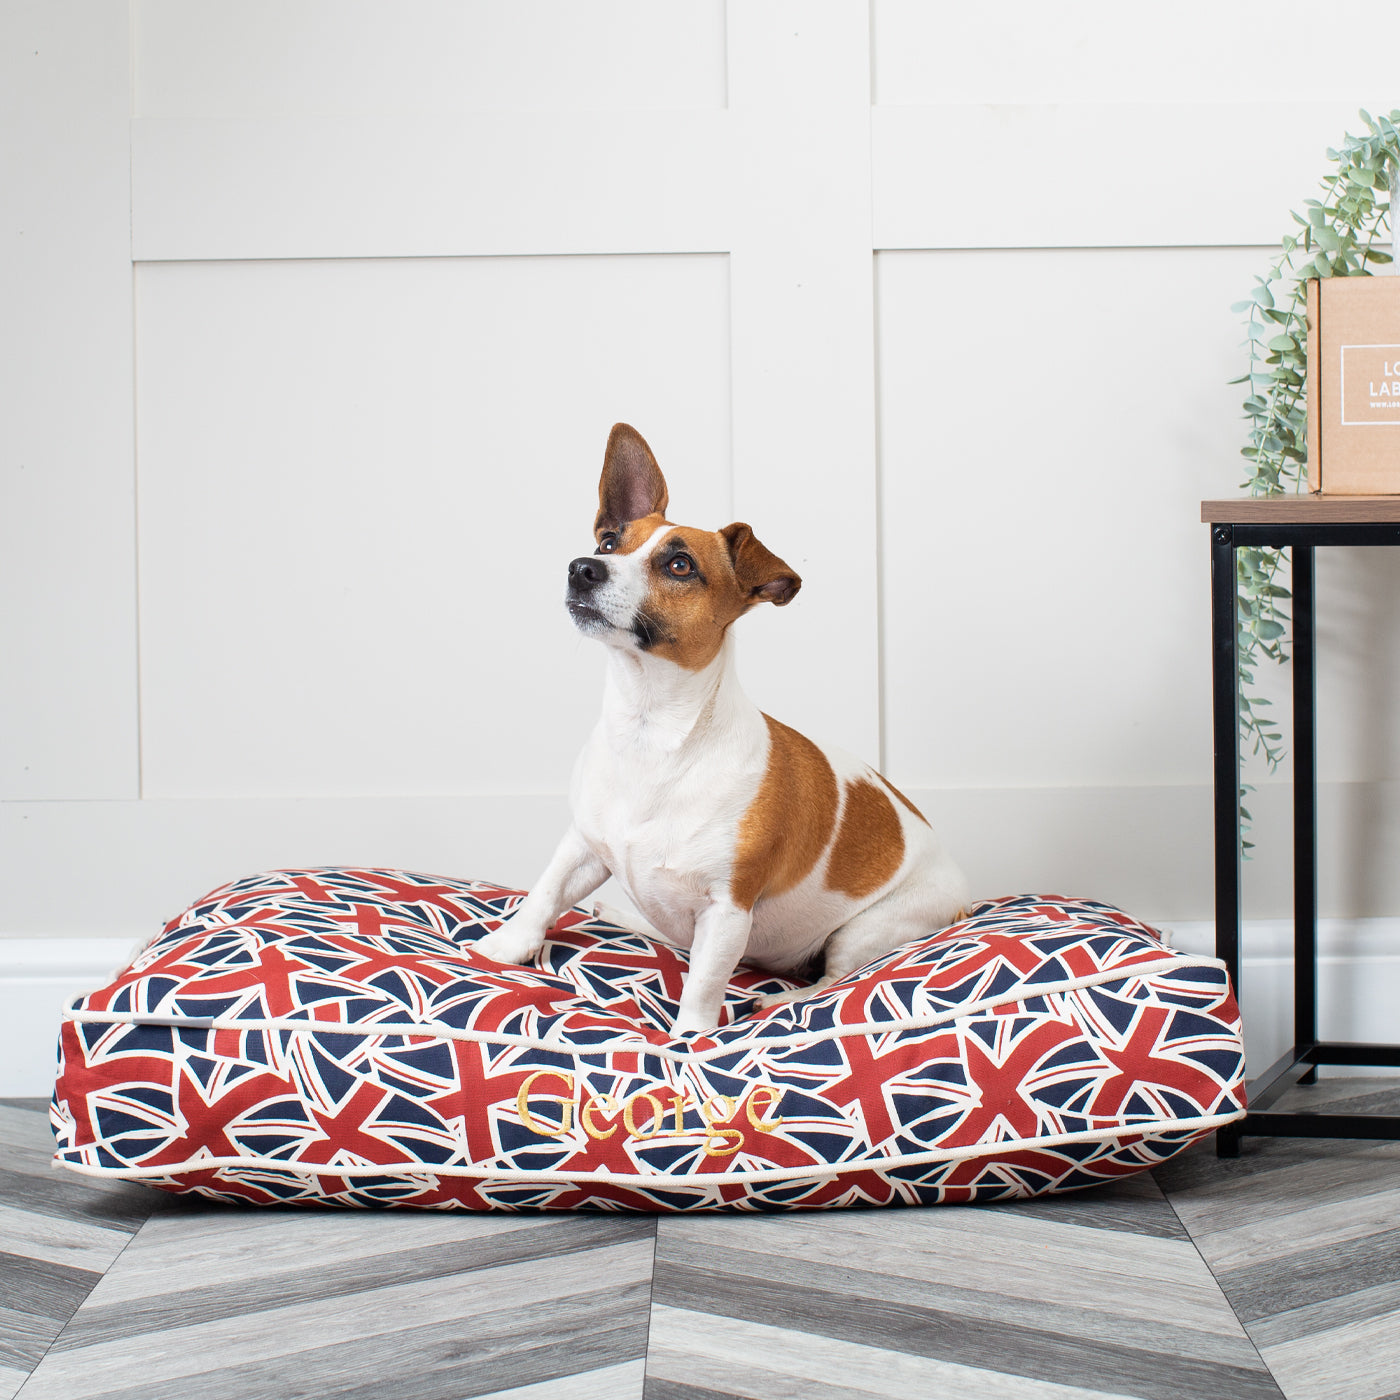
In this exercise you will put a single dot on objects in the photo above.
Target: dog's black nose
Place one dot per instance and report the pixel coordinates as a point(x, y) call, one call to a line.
point(586, 574)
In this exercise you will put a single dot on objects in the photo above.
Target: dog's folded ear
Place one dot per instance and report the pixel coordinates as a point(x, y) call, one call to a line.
point(761, 574)
point(631, 486)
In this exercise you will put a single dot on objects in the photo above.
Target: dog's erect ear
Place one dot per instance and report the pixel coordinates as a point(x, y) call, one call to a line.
point(761, 574)
point(631, 485)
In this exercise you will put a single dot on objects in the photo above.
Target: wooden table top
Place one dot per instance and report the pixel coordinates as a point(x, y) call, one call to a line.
point(1303, 510)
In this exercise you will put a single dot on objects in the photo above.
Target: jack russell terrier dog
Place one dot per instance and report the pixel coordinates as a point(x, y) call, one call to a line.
point(734, 835)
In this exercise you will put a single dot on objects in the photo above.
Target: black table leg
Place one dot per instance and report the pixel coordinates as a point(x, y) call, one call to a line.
point(1299, 526)
point(1304, 805)
point(1225, 674)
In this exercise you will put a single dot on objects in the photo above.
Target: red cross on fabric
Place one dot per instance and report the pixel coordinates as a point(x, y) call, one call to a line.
point(370, 961)
point(206, 1125)
point(1019, 954)
point(999, 1085)
point(313, 889)
point(343, 1129)
point(275, 973)
point(866, 1078)
point(407, 892)
point(1143, 1061)
point(482, 1091)
point(82, 1078)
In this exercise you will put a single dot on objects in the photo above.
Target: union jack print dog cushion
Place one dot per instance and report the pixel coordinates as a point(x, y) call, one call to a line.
point(327, 1036)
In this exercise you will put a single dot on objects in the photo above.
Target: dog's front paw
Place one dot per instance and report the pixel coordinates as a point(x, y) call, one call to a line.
point(772, 999)
point(687, 1023)
point(509, 944)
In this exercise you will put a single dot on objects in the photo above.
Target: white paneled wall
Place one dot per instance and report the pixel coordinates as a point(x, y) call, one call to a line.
point(1100, 51)
point(1044, 454)
point(68, 599)
point(283, 58)
point(317, 315)
point(359, 484)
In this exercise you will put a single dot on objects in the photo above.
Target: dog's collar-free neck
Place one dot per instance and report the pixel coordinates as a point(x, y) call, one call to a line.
point(650, 701)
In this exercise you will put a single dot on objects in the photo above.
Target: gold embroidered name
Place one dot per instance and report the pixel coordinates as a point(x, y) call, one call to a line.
point(649, 1114)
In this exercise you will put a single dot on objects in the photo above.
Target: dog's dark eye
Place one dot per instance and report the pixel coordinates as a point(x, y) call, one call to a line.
point(681, 566)
point(608, 544)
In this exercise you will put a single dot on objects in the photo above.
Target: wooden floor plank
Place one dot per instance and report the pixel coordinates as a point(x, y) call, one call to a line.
point(622, 1382)
point(1314, 1223)
point(195, 1241)
point(541, 1344)
point(1096, 1320)
point(24, 1127)
point(1298, 1278)
point(110, 1205)
point(1005, 1347)
point(79, 1244)
point(995, 1256)
point(233, 1282)
point(28, 1181)
point(694, 1356)
point(25, 1336)
point(57, 1237)
point(464, 1333)
point(1327, 1316)
point(1303, 1237)
point(43, 1288)
point(1016, 1292)
point(1360, 1361)
point(658, 1388)
point(1134, 1205)
point(1273, 1178)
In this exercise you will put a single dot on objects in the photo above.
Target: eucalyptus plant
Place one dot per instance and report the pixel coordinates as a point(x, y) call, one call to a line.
point(1338, 235)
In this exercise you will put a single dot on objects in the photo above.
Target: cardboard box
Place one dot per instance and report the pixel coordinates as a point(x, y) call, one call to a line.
point(1353, 386)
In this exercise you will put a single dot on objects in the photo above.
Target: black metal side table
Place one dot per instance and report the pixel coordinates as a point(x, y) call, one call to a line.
point(1299, 524)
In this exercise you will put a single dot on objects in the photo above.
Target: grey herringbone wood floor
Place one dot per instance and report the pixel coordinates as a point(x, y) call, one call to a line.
point(1275, 1274)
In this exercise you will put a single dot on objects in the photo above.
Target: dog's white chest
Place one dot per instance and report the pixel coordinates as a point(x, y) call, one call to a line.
point(665, 829)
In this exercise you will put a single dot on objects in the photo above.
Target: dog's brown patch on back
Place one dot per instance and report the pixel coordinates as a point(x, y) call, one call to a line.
point(908, 805)
point(787, 826)
point(870, 844)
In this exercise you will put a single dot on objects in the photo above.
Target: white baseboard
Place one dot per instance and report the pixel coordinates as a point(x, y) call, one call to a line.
point(1358, 989)
point(37, 977)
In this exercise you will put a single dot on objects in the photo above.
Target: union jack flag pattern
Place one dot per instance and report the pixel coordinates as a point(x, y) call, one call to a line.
point(328, 1036)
